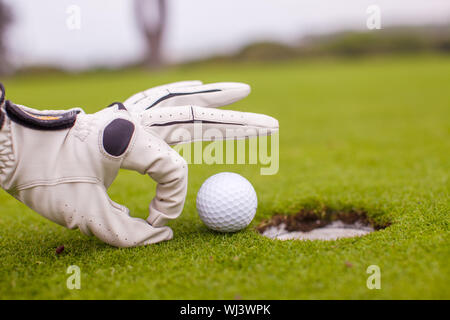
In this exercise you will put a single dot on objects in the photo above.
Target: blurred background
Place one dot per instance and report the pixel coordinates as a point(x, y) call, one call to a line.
point(361, 92)
point(83, 34)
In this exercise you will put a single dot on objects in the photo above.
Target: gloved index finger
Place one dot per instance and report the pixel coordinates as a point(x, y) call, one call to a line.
point(159, 90)
point(207, 95)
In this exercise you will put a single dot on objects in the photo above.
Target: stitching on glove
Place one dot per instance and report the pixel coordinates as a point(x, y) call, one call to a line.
point(84, 126)
point(171, 95)
point(120, 106)
point(193, 120)
point(54, 182)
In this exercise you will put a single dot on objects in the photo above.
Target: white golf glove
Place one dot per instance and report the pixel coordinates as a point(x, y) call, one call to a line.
point(61, 163)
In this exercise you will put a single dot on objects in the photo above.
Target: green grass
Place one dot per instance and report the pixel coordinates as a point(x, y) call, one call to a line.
point(372, 134)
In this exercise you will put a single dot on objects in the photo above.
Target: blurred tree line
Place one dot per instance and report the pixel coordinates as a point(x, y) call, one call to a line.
point(393, 40)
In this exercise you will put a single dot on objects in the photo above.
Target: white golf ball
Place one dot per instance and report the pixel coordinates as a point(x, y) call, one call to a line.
point(227, 202)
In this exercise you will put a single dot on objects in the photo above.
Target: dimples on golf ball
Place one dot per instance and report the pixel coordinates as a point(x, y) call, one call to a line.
point(227, 202)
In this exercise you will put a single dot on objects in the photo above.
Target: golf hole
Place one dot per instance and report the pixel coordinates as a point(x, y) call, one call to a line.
point(320, 224)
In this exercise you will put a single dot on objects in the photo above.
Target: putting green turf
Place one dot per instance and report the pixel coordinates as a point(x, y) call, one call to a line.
point(371, 134)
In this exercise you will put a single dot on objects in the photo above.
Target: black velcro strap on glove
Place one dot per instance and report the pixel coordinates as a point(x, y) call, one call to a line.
point(40, 120)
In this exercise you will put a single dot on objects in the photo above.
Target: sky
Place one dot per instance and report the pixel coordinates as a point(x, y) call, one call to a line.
point(43, 31)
